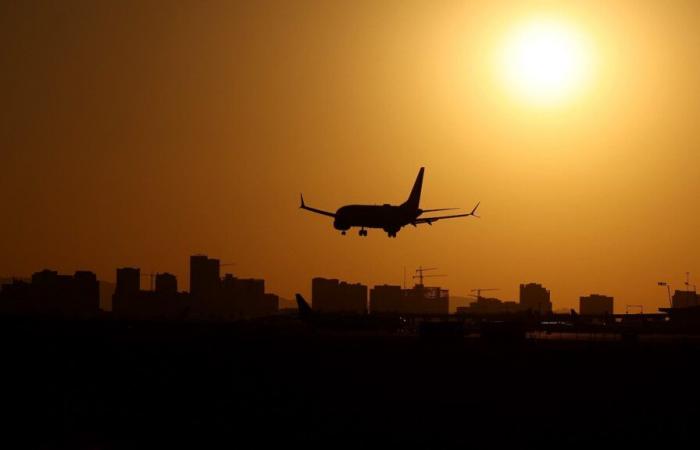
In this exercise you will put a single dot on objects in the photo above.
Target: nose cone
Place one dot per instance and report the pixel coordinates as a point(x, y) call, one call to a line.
point(340, 222)
point(338, 225)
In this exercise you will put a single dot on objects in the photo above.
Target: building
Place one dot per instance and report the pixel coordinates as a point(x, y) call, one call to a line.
point(244, 287)
point(386, 299)
point(128, 281)
point(126, 291)
point(534, 297)
point(53, 294)
point(86, 293)
point(205, 280)
point(245, 298)
point(229, 298)
point(164, 303)
point(487, 306)
point(334, 296)
point(166, 284)
point(595, 305)
point(685, 308)
point(211, 297)
point(422, 299)
point(684, 299)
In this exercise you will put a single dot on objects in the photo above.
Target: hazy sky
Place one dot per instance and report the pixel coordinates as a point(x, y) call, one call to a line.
point(137, 133)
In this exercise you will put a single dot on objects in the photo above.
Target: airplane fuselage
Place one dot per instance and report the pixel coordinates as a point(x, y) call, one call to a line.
point(387, 217)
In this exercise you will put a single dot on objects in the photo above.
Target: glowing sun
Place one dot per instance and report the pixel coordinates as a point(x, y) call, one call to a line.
point(545, 61)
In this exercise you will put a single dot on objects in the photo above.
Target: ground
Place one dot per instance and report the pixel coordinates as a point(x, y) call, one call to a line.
point(108, 384)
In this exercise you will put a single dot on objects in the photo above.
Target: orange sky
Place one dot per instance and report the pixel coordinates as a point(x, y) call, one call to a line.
point(138, 133)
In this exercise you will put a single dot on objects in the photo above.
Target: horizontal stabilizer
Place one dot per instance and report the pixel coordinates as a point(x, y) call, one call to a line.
point(436, 210)
point(430, 220)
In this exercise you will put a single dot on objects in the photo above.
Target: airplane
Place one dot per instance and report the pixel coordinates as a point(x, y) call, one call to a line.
point(390, 218)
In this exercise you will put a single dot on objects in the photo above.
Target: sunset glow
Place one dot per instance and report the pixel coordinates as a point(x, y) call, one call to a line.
point(135, 134)
point(545, 61)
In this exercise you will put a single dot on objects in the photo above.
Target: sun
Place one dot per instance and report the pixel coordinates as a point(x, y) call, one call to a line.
point(545, 61)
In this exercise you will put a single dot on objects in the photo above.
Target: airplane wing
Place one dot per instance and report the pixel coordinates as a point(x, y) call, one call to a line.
point(430, 220)
point(317, 211)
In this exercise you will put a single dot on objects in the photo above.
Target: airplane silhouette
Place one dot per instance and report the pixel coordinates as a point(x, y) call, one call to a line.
point(390, 218)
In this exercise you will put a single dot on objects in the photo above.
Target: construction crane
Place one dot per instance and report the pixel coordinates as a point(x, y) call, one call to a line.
point(420, 274)
point(667, 285)
point(480, 290)
point(687, 283)
point(668, 289)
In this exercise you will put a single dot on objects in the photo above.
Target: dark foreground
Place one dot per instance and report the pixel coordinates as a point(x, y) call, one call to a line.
point(106, 384)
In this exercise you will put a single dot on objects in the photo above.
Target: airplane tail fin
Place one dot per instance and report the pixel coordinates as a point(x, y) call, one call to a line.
point(305, 311)
point(414, 199)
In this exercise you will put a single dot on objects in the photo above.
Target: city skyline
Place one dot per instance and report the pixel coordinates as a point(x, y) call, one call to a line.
point(133, 134)
point(507, 293)
point(205, 275)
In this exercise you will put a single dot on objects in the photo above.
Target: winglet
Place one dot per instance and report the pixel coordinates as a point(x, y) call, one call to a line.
point(302, 200)
point(473, 213)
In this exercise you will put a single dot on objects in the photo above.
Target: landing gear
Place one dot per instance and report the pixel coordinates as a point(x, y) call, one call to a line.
point(343, 232)
point(362, 232)
point(391, 234)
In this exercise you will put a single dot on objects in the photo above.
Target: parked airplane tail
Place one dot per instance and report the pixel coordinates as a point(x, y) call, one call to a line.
point(305, 311)
point(413, 201)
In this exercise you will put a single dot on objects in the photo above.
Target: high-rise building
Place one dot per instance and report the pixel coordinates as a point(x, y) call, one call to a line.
point(684, 299)
point(130, 302)
point(51, 293)
point(128, 281)
point(245, 297)
point(535, 297)
point(166, 284)
point(338, 296)
point(385, 299)
point(127, 291)
point(86, 291)
point(489, 305)
point(204, 278)
point(596, 305)
point(419, 299)
point(422, 299)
